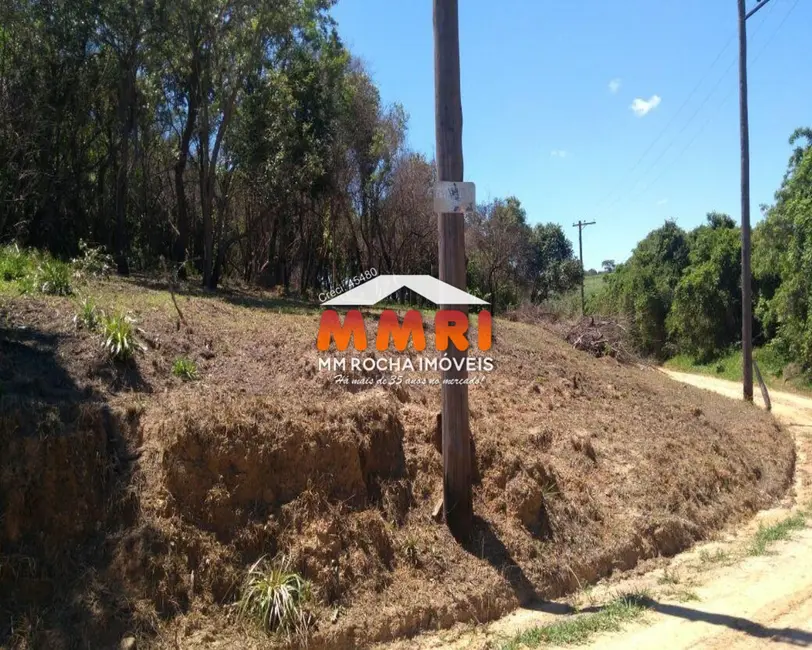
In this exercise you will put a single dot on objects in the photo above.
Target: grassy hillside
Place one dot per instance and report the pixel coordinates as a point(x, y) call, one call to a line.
point(569, 305)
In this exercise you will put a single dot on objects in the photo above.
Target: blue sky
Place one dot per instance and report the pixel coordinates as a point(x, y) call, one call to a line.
point(541, 121)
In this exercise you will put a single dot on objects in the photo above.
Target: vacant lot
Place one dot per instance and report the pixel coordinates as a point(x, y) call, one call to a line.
point(135, 498)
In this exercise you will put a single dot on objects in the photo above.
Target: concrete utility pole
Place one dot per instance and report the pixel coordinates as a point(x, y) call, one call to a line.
point(456, 434)
point(744, 127)
point(581, 225)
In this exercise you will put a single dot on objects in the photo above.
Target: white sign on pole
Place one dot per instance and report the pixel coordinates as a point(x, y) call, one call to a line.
point(450, 196)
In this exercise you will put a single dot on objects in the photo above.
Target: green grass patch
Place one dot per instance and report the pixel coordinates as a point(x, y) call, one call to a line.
point(568, 305)
point(15, 263)
point(579, 628)
point(185, 369)
point(766, 535)
point(29, 271)
point(776, 370)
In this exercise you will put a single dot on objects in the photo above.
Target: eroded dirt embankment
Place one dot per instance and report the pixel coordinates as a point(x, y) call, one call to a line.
point(584, 467)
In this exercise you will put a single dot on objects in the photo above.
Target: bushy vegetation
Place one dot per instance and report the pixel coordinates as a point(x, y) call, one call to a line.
point(118, 336)
point(782, 258)
point(643, 288)
point(681, 291)
point(92, 261)
point(34, 272)
point(54, 278)
point(15, 264)
point(275, 597)
point(88, 316)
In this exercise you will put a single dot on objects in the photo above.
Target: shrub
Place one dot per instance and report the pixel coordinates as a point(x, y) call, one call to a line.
point(53, 277)
point(92, 261)
point(87, 316)
point(15, 264)
point(118, 341)
point(185, 368)
point(275, 597)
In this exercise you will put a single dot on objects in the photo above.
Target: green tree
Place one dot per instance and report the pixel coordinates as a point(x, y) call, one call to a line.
point(642, 289)
point(551, 266)
point(705, 316)
point(496, 244)
point(782, 257)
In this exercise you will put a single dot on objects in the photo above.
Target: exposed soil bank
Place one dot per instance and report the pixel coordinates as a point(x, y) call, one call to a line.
point(170, 490)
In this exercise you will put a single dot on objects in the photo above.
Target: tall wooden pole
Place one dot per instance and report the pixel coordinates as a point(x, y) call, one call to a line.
point(581, 225)
point(747, 306)
point(457, 498)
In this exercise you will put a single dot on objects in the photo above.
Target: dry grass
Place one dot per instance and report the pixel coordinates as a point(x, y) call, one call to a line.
point(583, 466)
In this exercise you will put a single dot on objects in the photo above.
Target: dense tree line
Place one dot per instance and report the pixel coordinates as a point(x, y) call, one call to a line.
point(229, 137)
point(681, 291)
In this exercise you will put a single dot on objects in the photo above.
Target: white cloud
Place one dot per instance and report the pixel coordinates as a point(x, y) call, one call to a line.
point(614, 86)
point(662, 201)
point(559, 153)
point(641, 107)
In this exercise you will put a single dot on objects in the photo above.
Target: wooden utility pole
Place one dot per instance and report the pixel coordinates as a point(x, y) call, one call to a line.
point(581, 225)
point(457, 498)
point(744, 128)
point(747, 307)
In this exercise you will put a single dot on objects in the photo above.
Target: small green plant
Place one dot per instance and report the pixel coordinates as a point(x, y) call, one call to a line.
point(766, 535)
point(684, 595)
point(118, 339)
point(276, 597)
point(14, 263)
point(88, 315)
point(670, 577)
point(53, 277)
point(410, 550)
point(549, 490)
point(92, 261)
point(718, 556)
point(185, 368)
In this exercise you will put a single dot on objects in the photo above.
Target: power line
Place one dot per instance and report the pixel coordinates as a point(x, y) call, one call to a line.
point(682, 130)
point(611, 194)
point(673, 117)
point(719, 106)
point(693, 116)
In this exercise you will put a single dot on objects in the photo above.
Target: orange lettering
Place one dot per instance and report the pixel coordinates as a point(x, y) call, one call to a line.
point(485, 330)
point(331, 327)
point(450, 325)
point(389, 327)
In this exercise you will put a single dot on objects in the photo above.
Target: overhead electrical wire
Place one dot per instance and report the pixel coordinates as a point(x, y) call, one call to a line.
point(719, 106)
point(603, 205)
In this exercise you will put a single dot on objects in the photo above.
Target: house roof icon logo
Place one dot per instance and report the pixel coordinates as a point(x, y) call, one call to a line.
point(375, 290)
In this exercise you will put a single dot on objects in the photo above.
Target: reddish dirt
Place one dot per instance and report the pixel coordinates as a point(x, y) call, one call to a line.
point(141, 500)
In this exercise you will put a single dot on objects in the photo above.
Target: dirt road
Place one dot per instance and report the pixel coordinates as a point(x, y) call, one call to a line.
point(760, 602)
point(715, 596)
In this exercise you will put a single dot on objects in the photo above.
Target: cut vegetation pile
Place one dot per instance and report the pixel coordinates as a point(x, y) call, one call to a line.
point(600, 338)
point(136, 498)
